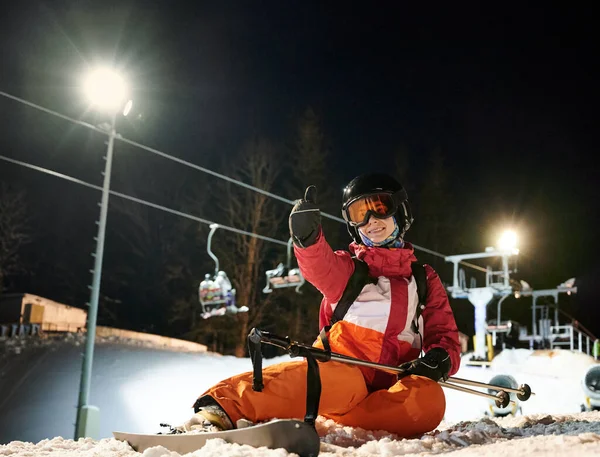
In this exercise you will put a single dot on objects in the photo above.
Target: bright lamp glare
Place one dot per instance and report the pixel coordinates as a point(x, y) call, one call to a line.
point(508, 241)
point(106, 89)
point(127, 108)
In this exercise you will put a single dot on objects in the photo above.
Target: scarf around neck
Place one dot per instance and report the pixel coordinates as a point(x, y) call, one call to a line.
point(392, 241)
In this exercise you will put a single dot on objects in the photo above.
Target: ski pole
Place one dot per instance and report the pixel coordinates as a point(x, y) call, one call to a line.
point(523, 392)
point(296, 349)
point(501, 398)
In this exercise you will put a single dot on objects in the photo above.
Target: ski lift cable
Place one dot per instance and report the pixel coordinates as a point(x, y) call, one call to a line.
point(52, 112)
point(267, 193)
point(205, 170)
point(139, 200)
point(261, 191)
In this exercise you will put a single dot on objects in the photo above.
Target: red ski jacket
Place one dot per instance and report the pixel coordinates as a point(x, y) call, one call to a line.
point(377, 326)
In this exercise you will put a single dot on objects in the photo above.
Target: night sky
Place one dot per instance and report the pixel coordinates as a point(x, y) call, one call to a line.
point(507, 96)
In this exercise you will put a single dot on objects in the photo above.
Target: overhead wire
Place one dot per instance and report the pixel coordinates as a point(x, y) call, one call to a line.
point(119, 137)
point(139, 200)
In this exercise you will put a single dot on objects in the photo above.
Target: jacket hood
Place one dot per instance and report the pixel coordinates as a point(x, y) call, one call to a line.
point(389, 262)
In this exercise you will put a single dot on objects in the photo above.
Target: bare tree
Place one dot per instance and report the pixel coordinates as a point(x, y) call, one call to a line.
point(254, 212)
point(150, 270)
point(14, 231)
point(310, 166)
point(310, 160)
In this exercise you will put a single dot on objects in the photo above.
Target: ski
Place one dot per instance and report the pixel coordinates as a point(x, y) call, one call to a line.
point(292, 435)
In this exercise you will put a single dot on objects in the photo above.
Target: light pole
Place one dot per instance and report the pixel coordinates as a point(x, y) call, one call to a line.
point(107, 90)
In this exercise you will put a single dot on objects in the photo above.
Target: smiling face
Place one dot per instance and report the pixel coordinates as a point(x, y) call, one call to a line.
point(378, 230)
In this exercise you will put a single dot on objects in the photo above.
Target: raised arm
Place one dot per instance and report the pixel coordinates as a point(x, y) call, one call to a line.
point(325, 269)
point(328, 271)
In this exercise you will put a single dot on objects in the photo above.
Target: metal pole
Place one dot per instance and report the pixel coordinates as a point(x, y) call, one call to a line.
point(571, 336)
point(472, 392)
point(587, 345)
point(289, 255)
point(533, 317)
point(506, 275)
point(213, 228)
point(499, 310)
point(295, 349)
point(392, 369)
point(455, 276)
point(87, 415)
point(468, 382)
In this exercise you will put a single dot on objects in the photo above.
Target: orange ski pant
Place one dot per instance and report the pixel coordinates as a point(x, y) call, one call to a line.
point(413, 406)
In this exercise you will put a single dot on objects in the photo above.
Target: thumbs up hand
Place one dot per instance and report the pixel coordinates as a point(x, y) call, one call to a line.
point(310, 194)
point(305, 219)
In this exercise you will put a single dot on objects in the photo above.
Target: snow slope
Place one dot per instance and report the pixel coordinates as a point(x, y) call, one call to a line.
point(548, 436)
point(136, 388)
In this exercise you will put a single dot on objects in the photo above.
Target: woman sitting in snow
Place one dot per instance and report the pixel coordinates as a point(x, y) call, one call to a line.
point(381, 325)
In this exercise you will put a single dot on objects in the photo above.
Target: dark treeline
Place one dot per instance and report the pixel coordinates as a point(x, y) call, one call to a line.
point(154, 260)
point(486, 128)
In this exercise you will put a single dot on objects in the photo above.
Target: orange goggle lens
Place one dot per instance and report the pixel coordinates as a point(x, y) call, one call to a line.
point(379, 205)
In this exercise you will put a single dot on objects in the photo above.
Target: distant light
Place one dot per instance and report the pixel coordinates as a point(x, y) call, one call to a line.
point(508, 241)
point(127, 108)
point(106, 89)
point(489, 249)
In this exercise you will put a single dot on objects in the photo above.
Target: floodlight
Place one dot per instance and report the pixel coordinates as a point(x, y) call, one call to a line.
point(508, 241)
point(106, 89)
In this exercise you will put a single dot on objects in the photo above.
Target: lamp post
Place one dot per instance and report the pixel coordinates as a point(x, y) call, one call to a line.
point(107, 90)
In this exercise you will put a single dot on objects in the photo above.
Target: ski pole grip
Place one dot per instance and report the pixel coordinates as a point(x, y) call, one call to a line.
point(255, 336)
point(254, 348)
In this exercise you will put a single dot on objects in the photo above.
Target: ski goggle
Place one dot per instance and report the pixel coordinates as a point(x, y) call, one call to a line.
point(358, 212)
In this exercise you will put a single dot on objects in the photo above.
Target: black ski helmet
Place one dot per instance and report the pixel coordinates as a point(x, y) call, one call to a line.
point(376, 183)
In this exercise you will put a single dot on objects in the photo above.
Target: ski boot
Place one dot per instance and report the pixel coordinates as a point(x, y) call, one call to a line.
point(209, 418)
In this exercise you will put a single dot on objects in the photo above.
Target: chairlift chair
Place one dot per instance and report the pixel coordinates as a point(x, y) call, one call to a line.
point(215, 293)
point(284, 276)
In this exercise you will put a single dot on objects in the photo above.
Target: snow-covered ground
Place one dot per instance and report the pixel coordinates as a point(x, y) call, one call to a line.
point(550, 423)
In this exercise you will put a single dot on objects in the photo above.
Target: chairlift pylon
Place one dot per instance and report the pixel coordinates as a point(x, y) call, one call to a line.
point(283, 275)
point(216, 295)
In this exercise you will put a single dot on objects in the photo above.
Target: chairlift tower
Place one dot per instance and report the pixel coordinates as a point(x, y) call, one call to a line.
point(497, 283)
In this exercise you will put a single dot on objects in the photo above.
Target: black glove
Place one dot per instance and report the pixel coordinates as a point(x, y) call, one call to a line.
point(434, 365)
point(305, 219)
